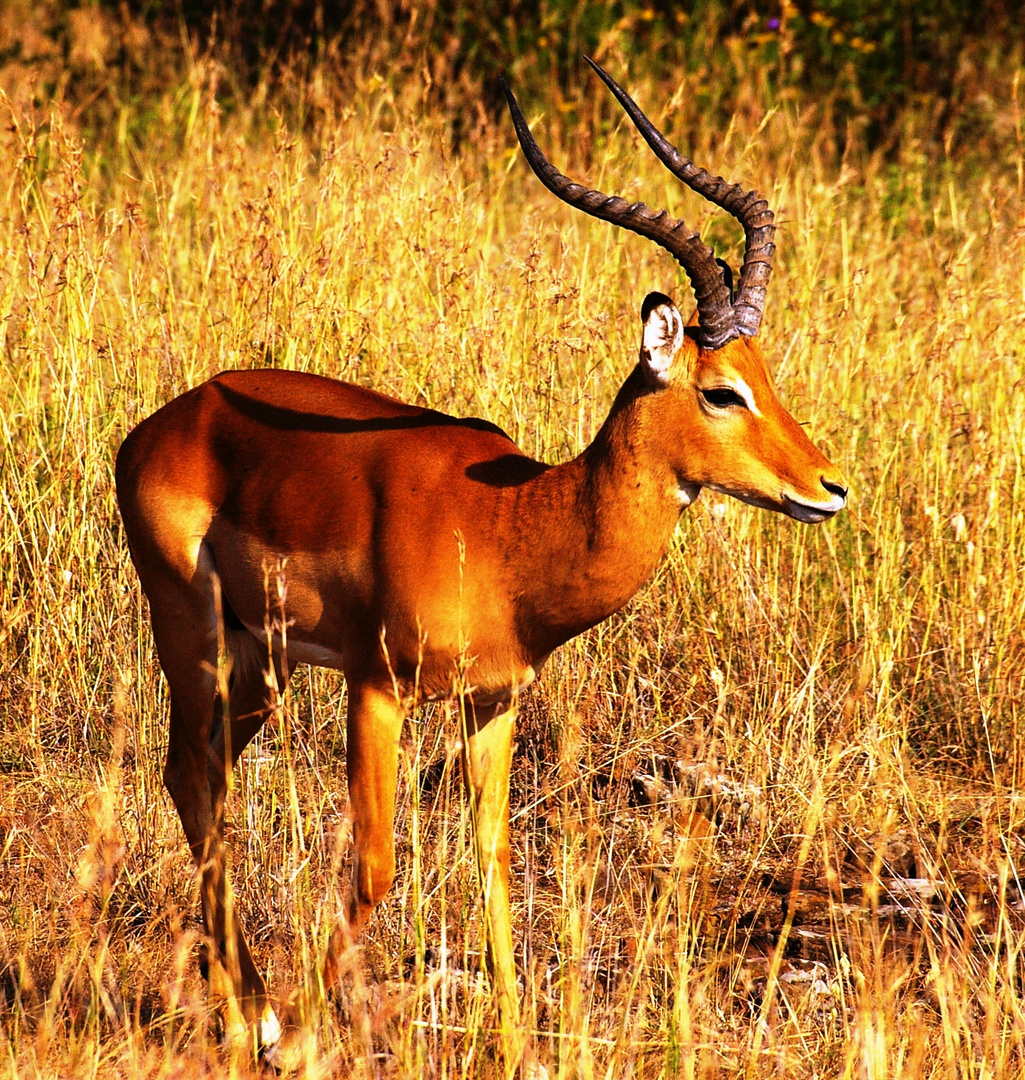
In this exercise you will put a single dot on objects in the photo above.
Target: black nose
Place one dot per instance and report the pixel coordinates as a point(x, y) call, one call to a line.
point(835, 489)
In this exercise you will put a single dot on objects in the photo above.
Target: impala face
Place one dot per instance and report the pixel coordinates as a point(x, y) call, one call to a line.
point(753, 448)
point(730, 432)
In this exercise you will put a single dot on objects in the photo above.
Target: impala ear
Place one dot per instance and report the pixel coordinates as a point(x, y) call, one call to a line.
point(662, 337)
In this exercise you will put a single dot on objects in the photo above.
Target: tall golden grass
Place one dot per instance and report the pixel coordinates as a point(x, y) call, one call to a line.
point(841, 693)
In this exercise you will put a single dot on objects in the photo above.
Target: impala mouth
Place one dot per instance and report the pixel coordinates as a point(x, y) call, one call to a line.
point(799, 509)
point(811, 513)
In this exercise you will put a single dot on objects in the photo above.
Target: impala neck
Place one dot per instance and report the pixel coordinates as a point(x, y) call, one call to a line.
point(600, 523)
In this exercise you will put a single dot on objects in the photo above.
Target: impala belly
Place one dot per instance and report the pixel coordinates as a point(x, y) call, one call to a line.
point(306, 652)
point(437, 675)
point(443, 631)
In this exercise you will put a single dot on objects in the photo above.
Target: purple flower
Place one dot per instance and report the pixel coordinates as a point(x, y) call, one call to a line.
point(773, 24)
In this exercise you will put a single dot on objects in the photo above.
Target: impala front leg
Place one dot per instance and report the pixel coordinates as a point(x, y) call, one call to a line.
point(372, 759)
point(487, 761)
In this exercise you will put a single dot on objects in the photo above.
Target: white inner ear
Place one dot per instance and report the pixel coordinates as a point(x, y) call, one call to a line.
point(663, 336)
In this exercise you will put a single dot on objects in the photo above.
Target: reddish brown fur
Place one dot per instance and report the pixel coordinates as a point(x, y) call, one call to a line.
point(418, 547)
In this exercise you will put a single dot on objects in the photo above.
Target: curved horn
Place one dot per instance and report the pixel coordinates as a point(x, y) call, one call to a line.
point(752, 212)
point(716, 324)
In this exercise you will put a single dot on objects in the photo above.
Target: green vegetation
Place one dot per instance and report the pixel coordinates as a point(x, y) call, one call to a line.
point(845, 689)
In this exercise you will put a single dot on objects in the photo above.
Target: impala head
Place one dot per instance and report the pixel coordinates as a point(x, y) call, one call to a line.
point(729, 430)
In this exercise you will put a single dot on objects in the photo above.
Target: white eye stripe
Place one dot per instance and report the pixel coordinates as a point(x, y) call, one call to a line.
point(745, 392)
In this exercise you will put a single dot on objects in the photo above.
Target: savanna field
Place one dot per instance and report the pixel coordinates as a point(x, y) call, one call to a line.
point(766, 820)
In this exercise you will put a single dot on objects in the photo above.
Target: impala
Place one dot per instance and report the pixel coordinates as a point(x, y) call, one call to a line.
point(428, 558)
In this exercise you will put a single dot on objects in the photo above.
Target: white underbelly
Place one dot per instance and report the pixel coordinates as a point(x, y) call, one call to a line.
point(306, 652)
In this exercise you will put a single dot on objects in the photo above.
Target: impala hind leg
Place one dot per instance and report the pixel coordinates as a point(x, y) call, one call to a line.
point(371, 761)
point(201, 752)
point(248, 710)
point(487, 762)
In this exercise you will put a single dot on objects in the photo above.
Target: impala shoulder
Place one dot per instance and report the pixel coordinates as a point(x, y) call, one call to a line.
point(509, 470)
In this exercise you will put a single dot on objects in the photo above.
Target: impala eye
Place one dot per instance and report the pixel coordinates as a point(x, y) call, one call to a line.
point(722, 397)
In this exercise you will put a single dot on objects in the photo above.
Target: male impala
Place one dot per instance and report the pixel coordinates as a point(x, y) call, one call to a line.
point(427, 551)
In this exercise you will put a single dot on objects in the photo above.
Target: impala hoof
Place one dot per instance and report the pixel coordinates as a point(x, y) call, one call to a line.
point(287, 1054)
point(534, 1070)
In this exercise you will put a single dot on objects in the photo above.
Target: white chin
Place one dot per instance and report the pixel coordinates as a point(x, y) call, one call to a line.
point(808, 514)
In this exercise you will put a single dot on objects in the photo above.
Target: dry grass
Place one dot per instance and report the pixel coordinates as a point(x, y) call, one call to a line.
point(858, 687)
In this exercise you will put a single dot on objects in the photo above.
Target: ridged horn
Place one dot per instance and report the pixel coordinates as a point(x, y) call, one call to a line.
point(716, 322)
point(747, 207)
